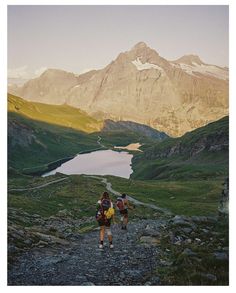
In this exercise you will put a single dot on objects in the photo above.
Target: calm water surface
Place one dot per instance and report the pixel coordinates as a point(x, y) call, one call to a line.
point(105, 162)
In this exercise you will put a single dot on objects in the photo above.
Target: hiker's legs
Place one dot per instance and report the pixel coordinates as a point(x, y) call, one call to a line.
point(108, 229)
point(109, 235)
point(102, 233)
point(126, 220)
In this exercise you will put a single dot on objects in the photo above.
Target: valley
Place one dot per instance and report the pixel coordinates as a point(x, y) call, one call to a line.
point(177, 187)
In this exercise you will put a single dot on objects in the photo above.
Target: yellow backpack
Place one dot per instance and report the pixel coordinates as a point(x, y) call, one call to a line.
point(109, 213)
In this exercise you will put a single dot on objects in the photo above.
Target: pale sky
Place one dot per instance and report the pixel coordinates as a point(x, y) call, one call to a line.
point(79, 38)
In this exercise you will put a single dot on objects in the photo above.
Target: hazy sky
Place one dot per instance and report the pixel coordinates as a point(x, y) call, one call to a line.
point(77, 38)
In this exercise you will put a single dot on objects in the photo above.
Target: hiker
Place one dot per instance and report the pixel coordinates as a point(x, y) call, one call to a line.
point(104, 216)
point(123, 205)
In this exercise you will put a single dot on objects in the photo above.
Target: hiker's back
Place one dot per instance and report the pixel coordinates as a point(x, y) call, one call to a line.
point(120, 204)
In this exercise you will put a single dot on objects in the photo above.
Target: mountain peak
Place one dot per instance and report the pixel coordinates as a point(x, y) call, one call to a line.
point(140, 45)
point(189, 59)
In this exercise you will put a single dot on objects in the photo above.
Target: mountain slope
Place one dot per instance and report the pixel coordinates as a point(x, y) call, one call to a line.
point(141, 86)
point(142, 130)
point(202, 153)
point(40, 133)
point(32, 145)
point(63, 115)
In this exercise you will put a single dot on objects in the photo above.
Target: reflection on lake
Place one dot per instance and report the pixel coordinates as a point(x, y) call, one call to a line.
point(105, 162)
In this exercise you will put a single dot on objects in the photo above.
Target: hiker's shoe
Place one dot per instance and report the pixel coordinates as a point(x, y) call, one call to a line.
point(111, 246)
point(100, 246)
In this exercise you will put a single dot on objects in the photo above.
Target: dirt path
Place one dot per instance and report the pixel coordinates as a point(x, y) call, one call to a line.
point(99, 142)
point(131, 199)
point(39, 186)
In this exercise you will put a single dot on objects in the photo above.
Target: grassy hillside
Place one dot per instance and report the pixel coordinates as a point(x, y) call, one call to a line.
point(33, 144)
point(200, 154)
point(62, 115)
point(39, 134)
point(190, 197)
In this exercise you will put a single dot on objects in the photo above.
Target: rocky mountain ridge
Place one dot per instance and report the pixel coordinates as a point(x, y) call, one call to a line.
point(140, 86)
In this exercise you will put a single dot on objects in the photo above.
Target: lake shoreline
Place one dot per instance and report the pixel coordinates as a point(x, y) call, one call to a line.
point(54, 165)
point(94, 162)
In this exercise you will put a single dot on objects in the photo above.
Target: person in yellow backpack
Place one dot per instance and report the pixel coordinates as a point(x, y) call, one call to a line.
point(104, 216)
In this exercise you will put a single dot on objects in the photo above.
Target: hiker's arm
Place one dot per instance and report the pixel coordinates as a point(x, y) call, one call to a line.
point(114, 220)
point(130, 206)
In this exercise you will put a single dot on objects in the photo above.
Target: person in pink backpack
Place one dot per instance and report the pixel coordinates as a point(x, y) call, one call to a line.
point(123, 205)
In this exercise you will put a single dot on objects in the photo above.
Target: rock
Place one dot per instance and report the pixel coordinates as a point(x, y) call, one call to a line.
point(36, 216)
point(181, 221)
point(205, 231)
point(224, 201)
point(13, 249)
point(149, 240)
point(221, 256)
point(51, 239)
point(88, 284)
point(166, 263)
point(134, 274)
point(199, 219)
point(188, 252)
point(210, 277)
point(28, 242)
point(178, 240)
point(64, 213)
point(41, 243)
point(151, 232)
point(197, 240)
point(155, 280)
point(122, 275)
point(188, 241)
point(187, 230)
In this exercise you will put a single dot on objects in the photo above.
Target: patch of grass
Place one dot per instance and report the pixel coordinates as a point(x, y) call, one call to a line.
point(77, 197)
point(203, 268)
point(195, 197)
point(62, 115)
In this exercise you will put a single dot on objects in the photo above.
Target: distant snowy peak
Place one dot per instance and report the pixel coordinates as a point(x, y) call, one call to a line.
point(144, 66)
point(189, 60)
point(205, 69)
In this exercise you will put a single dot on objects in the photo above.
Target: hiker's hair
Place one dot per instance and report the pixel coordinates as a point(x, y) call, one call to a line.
point(123, 195)
point(105, 195)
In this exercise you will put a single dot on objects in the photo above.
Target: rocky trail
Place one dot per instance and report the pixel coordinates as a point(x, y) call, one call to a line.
point(151, 252)
point(81, 262)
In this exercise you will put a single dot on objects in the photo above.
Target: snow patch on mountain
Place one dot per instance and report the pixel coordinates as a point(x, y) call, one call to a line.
point(144, 66)
point(205, 69)
point(78, 85)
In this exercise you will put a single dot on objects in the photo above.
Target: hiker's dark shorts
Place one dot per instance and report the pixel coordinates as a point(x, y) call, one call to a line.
point(124, 212)
point(106, 223)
